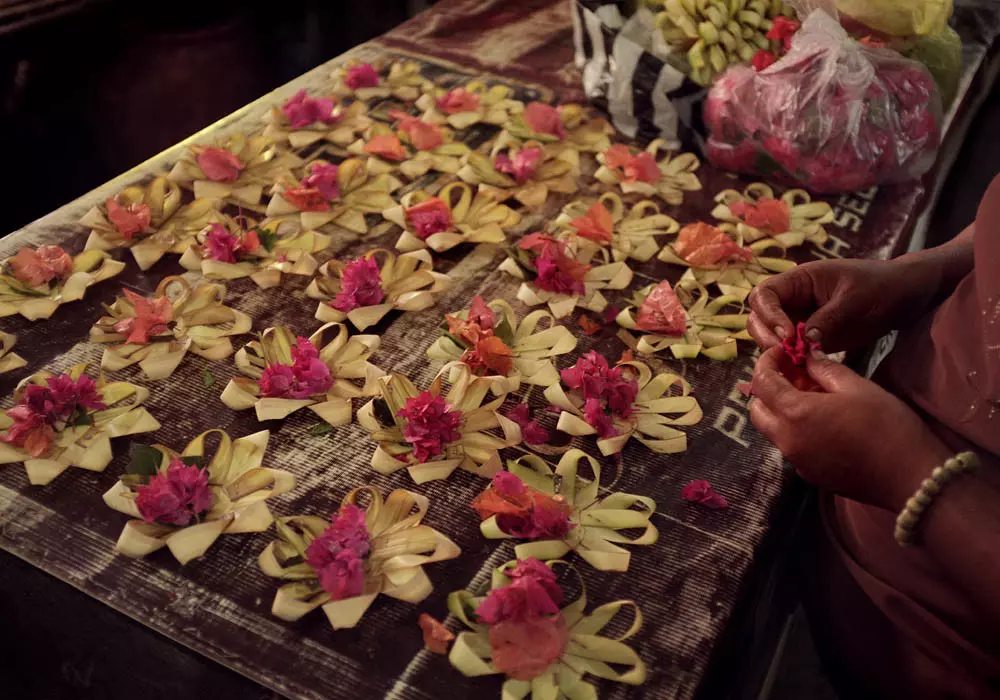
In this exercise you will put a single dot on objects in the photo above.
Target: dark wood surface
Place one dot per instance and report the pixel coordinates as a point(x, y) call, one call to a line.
point(706, 567)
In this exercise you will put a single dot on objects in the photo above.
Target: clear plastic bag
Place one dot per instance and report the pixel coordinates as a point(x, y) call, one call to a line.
point(833, 115)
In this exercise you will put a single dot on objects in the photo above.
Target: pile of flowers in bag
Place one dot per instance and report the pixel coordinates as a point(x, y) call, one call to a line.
point(832, 115)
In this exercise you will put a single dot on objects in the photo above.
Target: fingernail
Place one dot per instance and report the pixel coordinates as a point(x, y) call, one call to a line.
point(818, 355)
point(780, 332)
point(814, 334)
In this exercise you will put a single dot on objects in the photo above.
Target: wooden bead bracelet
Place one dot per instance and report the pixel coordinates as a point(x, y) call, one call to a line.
point(909, 517)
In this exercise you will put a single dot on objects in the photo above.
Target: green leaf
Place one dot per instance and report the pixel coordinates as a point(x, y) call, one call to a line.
point(504, 331)
point(268, 239)
point(207, 378)
point(456, 340)
point(82, 418)
point(194, 460)
point(143, 460)
point(320, 429)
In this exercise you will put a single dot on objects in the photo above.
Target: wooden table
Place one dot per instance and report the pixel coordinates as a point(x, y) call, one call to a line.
point(698, 587)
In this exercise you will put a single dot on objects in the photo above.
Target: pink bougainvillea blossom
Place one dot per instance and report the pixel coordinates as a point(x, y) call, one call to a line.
point(429, 217)
point(40, 266)
point(179, 496)
point(361, 75)
point(323, 176)
point(129, 220)
point(522, 511)
point(219, 165)
point(531, 431)
point(557, 270)
point(769, 215)
point(301, 110)
point(151, 318)
point(223, 246)
point(783, 29)
point(607, 391)
point(700, 491)
point(533, 592)
point(422, 135)
point(307, 376)
point(338, 555)
point(458, 100)
point(544, 119)
point(596, 225)
point(360, 285)
point(522, 167)
point(704, 245)
point(45, 408)
point(662, 312)
point(431, 425)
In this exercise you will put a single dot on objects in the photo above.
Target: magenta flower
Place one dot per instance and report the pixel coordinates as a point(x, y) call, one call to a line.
point(594, 414)
point(302, 110)
point(338, 554)
point(553, 279)
point(700, 491)
point(307, 376)
point(522, 167)
point(323, 176)
point(360, 285)
point(531, 432)
point(361, 75)
point(589, 375)
point(532, 593)
point(178, 496)
point(221, 245)
point(430, 425)
point(544, 119)
point(429, 217)
point(607, 392)
point(507, 484)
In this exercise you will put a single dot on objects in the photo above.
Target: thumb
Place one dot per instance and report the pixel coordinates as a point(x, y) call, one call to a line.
point(827, 325)
point(832, 376)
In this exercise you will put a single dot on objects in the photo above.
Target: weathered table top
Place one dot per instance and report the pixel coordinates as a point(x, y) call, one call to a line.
point(687, 584)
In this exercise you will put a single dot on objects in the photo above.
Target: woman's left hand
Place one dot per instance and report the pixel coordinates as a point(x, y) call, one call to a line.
point(854, 438)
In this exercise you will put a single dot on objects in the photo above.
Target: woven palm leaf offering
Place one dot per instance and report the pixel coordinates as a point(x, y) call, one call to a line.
point(364, 290)
point(657, 171)
point(37, 281)
point(9, 360)
point(565, 126)
point(625, 401)
point(236, 169)
point(431, 434)
point(381, 79)
point(715, 258)
point(524, 628)
point(149, 220)
point(488, 340)
point(415, 148)
point(559, 273)
point(527, 172)
point(156, 333)
point(67, 420)
point(185, 501)
point(605, 224)
point(687, 320)
point(327, 193)
point(557, 511)
point(755, 214)
point(321, 372)
point(238, 247)
point(472, 103)
point(363, 551)
point(455, 216)
point(302, 120)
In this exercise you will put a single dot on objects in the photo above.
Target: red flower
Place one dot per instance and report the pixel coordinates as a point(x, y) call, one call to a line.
point(480, 314)
point(323, 177)
point(458, 100)
point(30, 431)
point(588, 325)
point(178, 496)
point(524, 650)
point(522, 511)
point(437, 637)
point(544, 119)
point(422, 135)
point(386, 146)
point(589, 375)
point(531, 431)
point(640, 167)
point(41, 266)
point(338, 554)
point(219, 165)
point(532, 593)
point(763, 59)
point(607, 392)
point(360, 285)
point(782, 30)
point(594, 414)
point(128, 220)
point(769, 215)
point(306, 199)
point(700, 491)
point(797, 347)
point(361, 75)
point(557, 271)
point(227, 247)
point(596, 224)
point(307, 376)
point(151, 318)
point(703, 245)
point(431, 425)
point(489, 354)
point(429, 217)
point(522, 167)
point(301, 110)
point(662, 312)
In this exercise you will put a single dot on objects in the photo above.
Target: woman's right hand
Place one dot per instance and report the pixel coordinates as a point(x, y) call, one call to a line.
point(846, 304)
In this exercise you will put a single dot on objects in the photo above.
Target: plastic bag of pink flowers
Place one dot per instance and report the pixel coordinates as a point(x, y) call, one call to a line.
point(832, 115)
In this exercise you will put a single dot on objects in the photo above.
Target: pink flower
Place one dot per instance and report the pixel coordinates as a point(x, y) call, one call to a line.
point(797, 346)
point(221, 245)
point(219, 165)
point(523, 650)
point(588, 375)
point(661, 312)
point(422, 136)
point(533, 592)
point(763, 59)
point(361, 285)
point(178, 496)
point(43, 408)
point(601, 421)
point(782, 30)
point(338, 554)
point(458, 100)
point(301, 110)
point(129, 220)
point(605, 389)
point(522, 167)
point(431, 424)
point(700, 491)
point(531, 432)
point(480, 314)
point(151, 318)
point(323, 177)
point(41, 266)
point(30, 431)
point(361, 75)
point(557, 271)
point(508, 484)
point(547, 520)
point(307, 376)
point(429, 217)
point(544, 119)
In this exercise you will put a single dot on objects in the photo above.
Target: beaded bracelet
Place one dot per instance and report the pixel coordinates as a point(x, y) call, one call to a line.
point(909, 517)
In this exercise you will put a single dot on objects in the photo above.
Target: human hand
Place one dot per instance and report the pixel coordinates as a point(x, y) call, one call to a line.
point(849, 303)
point(854, 438)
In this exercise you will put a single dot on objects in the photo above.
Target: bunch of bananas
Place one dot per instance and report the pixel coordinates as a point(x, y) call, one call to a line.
point(716, 33)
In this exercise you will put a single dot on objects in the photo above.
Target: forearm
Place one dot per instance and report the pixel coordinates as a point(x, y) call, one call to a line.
point(940, 269)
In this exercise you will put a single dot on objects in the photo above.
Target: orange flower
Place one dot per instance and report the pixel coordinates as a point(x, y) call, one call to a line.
point(596, 224)
point(151, 318)
point(769, 215)
point(437, 637)
point(589, 326)
point(661, 312)
point(128, 220)
point(627, 356)
point(635, 168)
point(458, 100)
point(422, 135)
point(489, 354)
point(617, 156)
point(37, 267)
point(306, 198)
point(386, 146)
point(703, 245)
point(523, 649)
